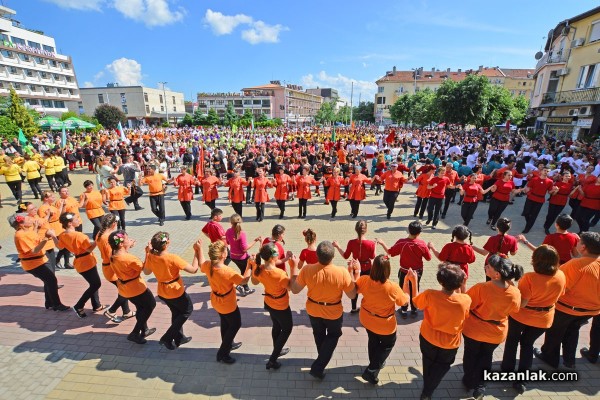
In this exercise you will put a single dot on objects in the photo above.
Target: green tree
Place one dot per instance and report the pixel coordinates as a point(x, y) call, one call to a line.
point(364, 112)
point(422, 107)
point(230, 118)
point(21, 116)
point(109, 116)
point(199, 117)
point(213, 117)
point(519, 110)
point(343, 115)
point(246, 119)
point(446, 102)
point(8, 128)
point(262, 118)
point(326, 114)
point(500, 106)
point(187, 120)
point(68, 114)
point(400, 110)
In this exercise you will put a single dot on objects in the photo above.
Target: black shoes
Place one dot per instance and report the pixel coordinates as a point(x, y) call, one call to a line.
point(284, 351)
point(135, 338)
point(169, 345)
point(540, 356)
point(318, 375)
point(161, 222)
point(273, 365)
point(61, 307)
point(183, 340)
point(226, 359)
point(585, 352)
point(148, 332)
point(519, 387)
point(236, 345)
point(370, 377)
point(80, 313)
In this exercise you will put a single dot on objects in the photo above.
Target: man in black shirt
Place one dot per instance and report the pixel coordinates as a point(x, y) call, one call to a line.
point(249, 168)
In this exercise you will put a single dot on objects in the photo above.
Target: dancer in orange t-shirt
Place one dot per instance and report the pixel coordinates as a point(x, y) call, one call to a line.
point(115, 197)
point(92, 201)
point(334, 184)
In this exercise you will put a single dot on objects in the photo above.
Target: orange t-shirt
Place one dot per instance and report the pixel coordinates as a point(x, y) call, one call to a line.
point(55, 224)
point(380, 299)
point(155, 183)
point(583, 286)
point(166, 268)
point(70, 205)
point(541, 291)
point(116, 197)
point(325, 284)
point(443, 316)
point(93, 207)
point(341, 156)
point(223, 280)
point(77, 243)
point(276, 283)
point(43, 226)
point(393, 180)
point(128, 268)
point(209, 188)
point(491, 302)
point(106, 253)
point(25, 241)
point(423, 180)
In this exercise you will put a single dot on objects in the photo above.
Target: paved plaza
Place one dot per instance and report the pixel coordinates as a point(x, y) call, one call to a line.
point(46, 354)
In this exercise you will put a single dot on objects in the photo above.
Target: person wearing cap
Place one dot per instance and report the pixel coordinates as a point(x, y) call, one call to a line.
point(394, 180)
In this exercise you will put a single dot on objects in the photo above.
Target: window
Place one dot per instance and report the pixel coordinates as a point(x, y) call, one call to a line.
point(101, 98)
point(380, 89)
point(24, 57)
point(538, 86)
point(71, 92)
point(48, 48)
point(174, 109)
point(211, 102)
point(16, 86)
point(380, 100)
point(56, 77)
point(587, 76)
point(160, 98)
point(524, 83)
point(256, 102)
point(68, 79)
point(237, 103)
point(4, 37)
point(123, 98)
point(59, 104)
point(595, 31)
point(173, 99)
point(33, 88)
point(13, 70)
point(124, 107)
point(162, 108)
point(146, 97)
point(17, 40)
point(147, 109)
point(40, 60)
point(220, 102)
point(35, 45)
point(34, 102)
point(266, 103)
point(47, 89)
point(44, 75)
point(8, 54)
point(247, 102)
point(59, 90)
point(80, 106)
point(53, 63)
point(47, 103)
point(66, 65)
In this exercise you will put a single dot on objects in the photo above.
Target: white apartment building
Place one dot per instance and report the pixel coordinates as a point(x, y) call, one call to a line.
point(29, 63)
point(143, 106)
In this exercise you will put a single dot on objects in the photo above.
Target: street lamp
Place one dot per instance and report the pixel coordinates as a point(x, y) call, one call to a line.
point(165, 99)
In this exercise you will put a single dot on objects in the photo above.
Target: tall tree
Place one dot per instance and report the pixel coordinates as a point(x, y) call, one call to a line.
point(500, 106)
point(400, 110)
point(246, 119)
point(21, 117)
point(199, 117)
point(364, 112)
point(110, 116)
point(447, 102)
point(343, 115)
point(519, 110)
point(213, 117)
point(422, 109)
point(326, 114)
point(230, 118)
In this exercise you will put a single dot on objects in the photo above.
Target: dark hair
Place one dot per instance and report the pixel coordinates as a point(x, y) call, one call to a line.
point(87, 183)
point(503, 225)
point(591, 240)
point(215, 212)
point(545, 260)
point(105, 223)
point(450, 276)
point(461, 232)
point(505, 268)
point(325, 252)
point(360, 228)
point(277, 231)
point(266, 252)
point(23, 207)
point(65, 219)
point(564, 221)
point(415, 228)
point(309, 235)
point(159, 242)
point(380, 271)
point(115, 239)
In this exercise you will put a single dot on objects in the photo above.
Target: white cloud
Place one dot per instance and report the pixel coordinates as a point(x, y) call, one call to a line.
point(263, 33)
point(126, 72)
point(88, 84)
point(150, 12)
point(84, 5)
point(343, 84)
point(98, 76)
point(224, 24)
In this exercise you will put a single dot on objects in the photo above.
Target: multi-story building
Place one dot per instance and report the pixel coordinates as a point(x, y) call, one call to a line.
point(396, 83)
point(566, 98)
point(29, 64)
point(143, 106)
point(329, 95)
point(257, 103)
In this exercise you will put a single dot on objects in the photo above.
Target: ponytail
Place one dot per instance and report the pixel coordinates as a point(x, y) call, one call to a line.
point(105, 223)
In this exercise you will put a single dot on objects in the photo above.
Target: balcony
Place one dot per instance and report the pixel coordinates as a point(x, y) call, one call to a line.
point(580, 96)
point(553, 58)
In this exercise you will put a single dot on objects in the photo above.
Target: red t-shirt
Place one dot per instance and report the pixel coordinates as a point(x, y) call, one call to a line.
point(471, 192)
point(361, 250)
point(412, 252)
point(214, 230)
point(564, 243)
point(539, 187)
point(560, 198)
point(458, 253)
point(309, 256)
point(591, 198)
point(503, 190)
point(280, 250)
point(509, 245)
point(438, 191)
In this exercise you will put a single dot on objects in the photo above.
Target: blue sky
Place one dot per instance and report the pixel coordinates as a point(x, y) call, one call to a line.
point(207, 46)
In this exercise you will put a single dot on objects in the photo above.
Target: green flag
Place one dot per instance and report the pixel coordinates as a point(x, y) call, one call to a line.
point(22, 138)
point(333, 133)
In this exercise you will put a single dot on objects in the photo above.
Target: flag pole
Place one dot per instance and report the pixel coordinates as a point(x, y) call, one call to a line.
point(351, 97)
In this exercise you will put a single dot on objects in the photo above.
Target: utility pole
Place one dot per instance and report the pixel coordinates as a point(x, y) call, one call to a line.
point(351, 96)
point(165, 99)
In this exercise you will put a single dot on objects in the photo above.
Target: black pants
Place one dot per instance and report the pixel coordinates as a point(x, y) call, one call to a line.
point(64, 174)
point(181, 309)
point(595, 337)
point(302, 207)
point(525, 336)
point(355, 299)
point(326, 332)
point(64, 254)
point(242, 265)
point(553, 212)
point(120, 302)
point(144, 304)
point(51, 260)
point(564, 331)
point(249, 196)
point(211, 204)
point(281, 205)
point(436, 363)
point(230, 325)
point(260, 211)
point(121, 215)
point(379, 347)
point(531, 209)
point(389, 199)
point(91, 293)
point(574, 204)
point(433, 210)
point(496, 209)
point(44, 273)
point(477, 359)
point(354, 207)
point(187, 208)
point(15, 188)
point(487, 184)
point(282, 329)
point(157, 205)
point(467, 211)
point(401, 276)
point(34, 184)
point(97, 225)
point(134, 196)
point(449, 195)
point(333, 207)
point(52, 183)
point(584, 216)
point(421, 206)
point(59, 179)
point(237, 207)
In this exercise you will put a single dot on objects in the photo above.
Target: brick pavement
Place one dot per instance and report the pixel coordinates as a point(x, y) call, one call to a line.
point(91, 358)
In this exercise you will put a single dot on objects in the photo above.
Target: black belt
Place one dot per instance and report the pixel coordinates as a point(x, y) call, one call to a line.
point(115, 200)
point(275, 297)
point(32, 258)
point(540, 308)
point(576, 308)
point(222, 295)
point(105, 264)
point(87, 253)
point(375, 315)
point(172, 281)
point(322, 303)
point(127, 280)
point(491, 321)
point(157, 193)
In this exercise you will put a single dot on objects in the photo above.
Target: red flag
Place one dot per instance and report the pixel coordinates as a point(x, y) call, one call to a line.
point(200, 166)
point(507, 125)
point(391, 137)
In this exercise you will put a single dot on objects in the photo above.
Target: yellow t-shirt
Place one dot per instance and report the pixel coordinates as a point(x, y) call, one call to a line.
point(11, 173)
point(32, 169)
